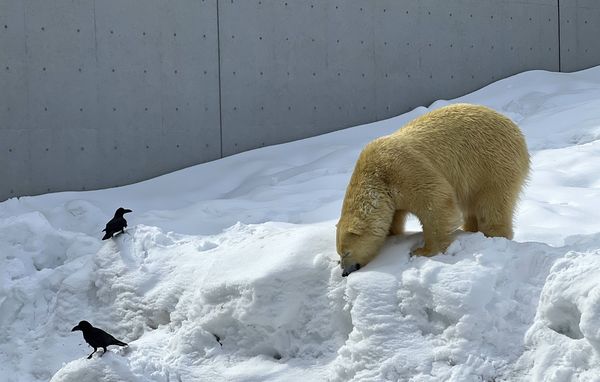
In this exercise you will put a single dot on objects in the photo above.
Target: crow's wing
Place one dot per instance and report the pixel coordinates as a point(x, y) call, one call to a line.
point(115, 225)
point(106, 339)
point(111, 226)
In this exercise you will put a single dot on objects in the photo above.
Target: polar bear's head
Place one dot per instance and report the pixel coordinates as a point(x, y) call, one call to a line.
point(356, 245)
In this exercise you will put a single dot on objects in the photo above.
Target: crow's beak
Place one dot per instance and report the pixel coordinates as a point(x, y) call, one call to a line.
point(127, 211)
point(76, 328)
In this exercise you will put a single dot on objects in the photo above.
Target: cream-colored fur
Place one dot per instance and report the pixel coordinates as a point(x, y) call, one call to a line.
point(458, 163)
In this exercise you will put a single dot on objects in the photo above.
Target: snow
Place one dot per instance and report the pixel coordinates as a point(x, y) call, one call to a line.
point(228, 271)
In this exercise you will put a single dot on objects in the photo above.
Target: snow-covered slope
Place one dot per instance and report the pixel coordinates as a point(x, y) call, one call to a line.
point(229, 272)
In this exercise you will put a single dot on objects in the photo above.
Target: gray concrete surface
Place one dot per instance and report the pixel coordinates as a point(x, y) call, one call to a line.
point(579, 34)
point(104, 93)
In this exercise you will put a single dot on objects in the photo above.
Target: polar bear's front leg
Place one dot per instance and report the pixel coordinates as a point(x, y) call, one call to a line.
point(398, 222)
point(422, 251)
point(436, 237)
point(439, 220)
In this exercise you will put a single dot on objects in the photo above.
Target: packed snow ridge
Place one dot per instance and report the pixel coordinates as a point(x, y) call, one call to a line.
point(229, 272)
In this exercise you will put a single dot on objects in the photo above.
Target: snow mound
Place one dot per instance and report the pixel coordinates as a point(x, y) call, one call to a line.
point(270, 292)
point(564, 340)
point(448, 318)
point(109, 368)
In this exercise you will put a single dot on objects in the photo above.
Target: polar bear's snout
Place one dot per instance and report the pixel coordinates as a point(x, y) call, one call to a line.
point(355, 249)
point(347, 269)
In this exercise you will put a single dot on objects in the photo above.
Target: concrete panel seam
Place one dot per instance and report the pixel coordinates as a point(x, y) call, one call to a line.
point(219, 85)
point(559, 36)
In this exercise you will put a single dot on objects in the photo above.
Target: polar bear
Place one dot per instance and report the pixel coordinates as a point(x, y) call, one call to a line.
point(458, 164)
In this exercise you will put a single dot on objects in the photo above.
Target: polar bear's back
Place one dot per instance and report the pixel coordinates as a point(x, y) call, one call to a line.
point(470, 145)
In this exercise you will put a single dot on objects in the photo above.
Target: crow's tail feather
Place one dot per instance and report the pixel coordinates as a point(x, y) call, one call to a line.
point(120, 343)
point(107, 236)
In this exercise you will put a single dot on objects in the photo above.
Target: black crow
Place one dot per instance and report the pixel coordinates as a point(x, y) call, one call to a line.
point(96, 338)
point(116, 224)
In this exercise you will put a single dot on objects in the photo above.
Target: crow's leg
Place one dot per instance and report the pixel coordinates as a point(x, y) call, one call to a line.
point(103, 348)
point(90, 356)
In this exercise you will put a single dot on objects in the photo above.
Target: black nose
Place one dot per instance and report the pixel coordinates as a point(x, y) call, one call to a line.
point(350, 269)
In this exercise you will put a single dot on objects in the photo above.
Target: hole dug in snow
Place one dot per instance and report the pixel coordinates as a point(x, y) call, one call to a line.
point(155, 318)
point(269, 351)
point(564, 318)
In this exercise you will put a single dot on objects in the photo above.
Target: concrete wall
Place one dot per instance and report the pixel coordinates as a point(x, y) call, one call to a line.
point(99, 93)
point(103, 93)
point(579, 33)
